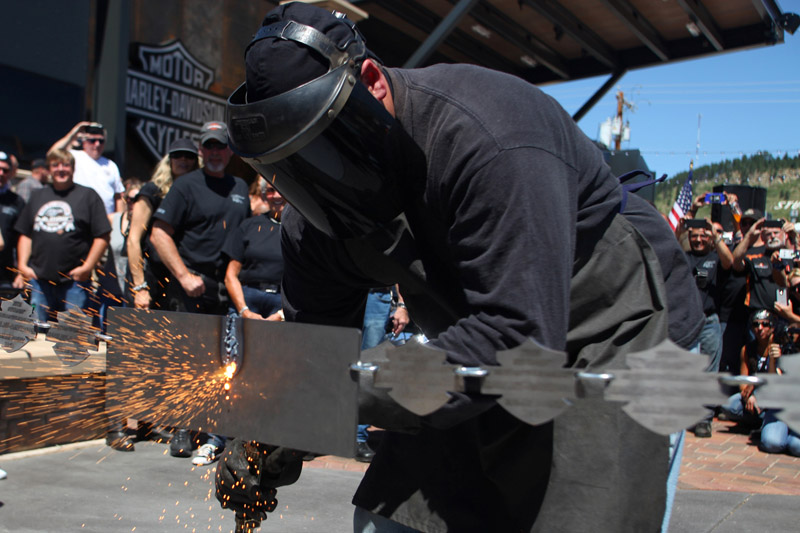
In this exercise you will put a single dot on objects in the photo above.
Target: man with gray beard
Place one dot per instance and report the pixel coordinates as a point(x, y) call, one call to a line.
point(763, 272)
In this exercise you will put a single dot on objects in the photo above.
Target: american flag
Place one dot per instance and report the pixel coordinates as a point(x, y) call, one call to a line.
point(682, 204)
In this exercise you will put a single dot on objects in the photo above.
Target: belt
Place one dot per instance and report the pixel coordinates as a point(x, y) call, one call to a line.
point(266, 287)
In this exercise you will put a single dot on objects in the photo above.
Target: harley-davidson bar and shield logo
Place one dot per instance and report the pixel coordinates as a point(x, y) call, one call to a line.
point(167, 95)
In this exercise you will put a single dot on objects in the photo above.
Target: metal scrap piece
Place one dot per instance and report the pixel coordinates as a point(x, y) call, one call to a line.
point(532, 381)
point(16, 324)
point(665, 388)
point(73, 335)
point(416, 374)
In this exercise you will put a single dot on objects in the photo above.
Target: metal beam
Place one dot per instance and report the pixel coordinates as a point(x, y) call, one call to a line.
point(440, 33)
point(770, 13)
point(424, 20)
point(601, 92)
point(640, 26)
point(497, 21)
point(576, 29)
point(705, 23)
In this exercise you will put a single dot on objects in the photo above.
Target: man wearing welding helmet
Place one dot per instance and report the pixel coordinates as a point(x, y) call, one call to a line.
point(500, 221)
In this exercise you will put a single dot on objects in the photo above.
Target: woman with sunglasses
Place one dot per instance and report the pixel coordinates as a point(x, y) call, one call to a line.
point(762, 355)
point(149, 277)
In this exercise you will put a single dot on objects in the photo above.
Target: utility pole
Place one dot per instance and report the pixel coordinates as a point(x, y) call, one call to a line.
point(621, 105)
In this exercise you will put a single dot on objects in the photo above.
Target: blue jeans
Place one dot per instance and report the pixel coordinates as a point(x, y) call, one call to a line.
point(261, 302)
point(711, 342)
point(368, 522)
point(49, 298)
point(776, 437)
point(376, 313)
point(373, 332)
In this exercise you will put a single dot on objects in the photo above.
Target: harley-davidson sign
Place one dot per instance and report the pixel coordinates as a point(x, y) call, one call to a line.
point(167, 96)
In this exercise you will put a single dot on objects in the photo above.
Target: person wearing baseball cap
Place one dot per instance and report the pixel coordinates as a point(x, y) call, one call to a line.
point(189, 230)
point(40, 175)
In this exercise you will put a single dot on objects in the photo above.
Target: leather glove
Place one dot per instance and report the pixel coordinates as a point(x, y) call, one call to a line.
point(249, 473)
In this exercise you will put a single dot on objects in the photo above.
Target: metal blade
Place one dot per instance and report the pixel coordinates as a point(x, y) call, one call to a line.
point(293, 387)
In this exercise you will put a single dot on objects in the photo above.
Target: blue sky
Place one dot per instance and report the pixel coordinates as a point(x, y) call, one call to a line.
point(747, 101)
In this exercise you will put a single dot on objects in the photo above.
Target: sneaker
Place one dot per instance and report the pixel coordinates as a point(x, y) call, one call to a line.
point(3, 474)
point(206, 454)
point(181, 444)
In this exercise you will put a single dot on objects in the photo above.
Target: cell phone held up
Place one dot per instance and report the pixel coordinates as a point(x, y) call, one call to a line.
point(714, 198)
point(781, 296)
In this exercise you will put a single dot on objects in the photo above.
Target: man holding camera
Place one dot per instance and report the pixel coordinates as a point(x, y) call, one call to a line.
point(766, 274)
point(709, 257)
point(92, 169)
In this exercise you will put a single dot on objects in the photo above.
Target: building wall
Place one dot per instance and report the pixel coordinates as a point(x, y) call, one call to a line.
point(215, 32)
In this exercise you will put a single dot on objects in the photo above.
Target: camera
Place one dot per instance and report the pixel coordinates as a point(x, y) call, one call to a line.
point(94, 128)
point(715, 197)
point(773, 223)
point(695, 223)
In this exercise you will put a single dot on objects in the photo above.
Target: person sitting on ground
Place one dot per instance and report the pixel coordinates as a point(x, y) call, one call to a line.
point(762, 356)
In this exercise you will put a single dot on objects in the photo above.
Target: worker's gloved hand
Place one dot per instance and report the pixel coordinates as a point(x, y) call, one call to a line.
point(248, 474)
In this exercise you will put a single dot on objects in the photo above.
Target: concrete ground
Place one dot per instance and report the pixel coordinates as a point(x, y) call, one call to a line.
point(726, 486)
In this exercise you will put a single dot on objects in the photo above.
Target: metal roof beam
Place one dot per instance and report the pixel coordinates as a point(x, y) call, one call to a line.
point(705, 23)
point(601, 92)
point(440, 33)
point(425, 20)
point(497, 21)
point(640, 26)
point(576, 29)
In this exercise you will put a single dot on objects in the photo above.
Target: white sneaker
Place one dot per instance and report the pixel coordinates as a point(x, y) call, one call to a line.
point(206, 454)
point(3, 474)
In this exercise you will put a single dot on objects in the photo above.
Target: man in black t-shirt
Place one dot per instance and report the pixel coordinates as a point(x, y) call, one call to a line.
point(189, 231)
point(191, 224)
point(63, 231)
point(11, 282)
point(763, 275)
point(709, 257)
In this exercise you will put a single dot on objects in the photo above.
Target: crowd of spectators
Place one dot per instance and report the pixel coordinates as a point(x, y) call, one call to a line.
point(194, 238)
point(749, 283)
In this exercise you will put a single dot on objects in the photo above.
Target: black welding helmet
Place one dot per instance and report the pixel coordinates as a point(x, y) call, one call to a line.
point(328, 146)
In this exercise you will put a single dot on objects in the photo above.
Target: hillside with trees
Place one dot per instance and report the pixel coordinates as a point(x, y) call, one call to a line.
point(779, 175)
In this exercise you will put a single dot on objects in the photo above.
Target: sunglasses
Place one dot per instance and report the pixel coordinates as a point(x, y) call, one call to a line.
point(761, 324)
point(95, 140)
point(182, 155)
point(214, 145)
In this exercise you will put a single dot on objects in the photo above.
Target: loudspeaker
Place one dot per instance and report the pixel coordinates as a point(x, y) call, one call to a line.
point(749, 198)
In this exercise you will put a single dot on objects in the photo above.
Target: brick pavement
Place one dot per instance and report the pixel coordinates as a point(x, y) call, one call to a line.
point(729, 462)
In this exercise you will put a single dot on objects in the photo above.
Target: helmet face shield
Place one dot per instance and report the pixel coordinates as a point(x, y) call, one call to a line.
point(347, 179)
